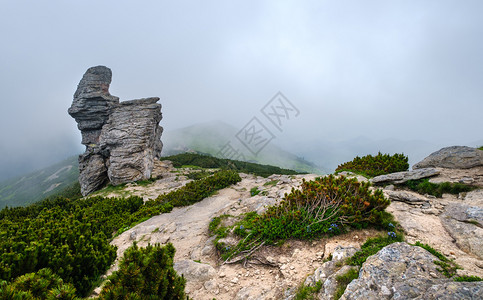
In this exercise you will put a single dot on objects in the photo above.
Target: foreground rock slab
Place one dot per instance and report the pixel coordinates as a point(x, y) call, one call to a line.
point(454, 157)
point(401, 271)
point(122, 139)
point(465, 224)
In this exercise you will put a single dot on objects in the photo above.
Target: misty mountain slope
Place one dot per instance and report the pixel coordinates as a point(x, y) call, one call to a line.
point(210, 137)
point(40, 184)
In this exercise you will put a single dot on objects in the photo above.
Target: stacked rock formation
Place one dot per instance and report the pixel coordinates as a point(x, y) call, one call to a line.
point(122, 139)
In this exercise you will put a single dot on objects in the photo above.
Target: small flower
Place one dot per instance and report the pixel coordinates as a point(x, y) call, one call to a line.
point(390, 225)
point(241, 227)
point(333, 225)
point(308, 229)
point(392, 234)
point(330, 229)
point(227, 248)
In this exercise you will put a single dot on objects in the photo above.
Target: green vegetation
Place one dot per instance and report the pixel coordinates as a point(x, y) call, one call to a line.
point(423, 186)
point(206, 161)
point(71, 236)
point(447, 267)
point(467, 278)
point(480, 148)
point(254, 191)
point(33, 187)
point(145, 273)
point(343, 281)
point(372, 246)
point(371, 166)
point(40, 285)
point(308, 292)
point(198, 175)
point(271, 183)
point(325, 206)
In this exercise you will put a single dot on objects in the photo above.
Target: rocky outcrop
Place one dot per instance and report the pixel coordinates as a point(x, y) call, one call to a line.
point(122, 139)
point(401, 177)
point(401, 271)
point(455, 157)
point(465, 224)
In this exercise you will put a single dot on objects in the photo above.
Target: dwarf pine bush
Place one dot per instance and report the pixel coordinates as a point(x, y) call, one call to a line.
point(372, 166)
point(324, 206)
point(145, 273)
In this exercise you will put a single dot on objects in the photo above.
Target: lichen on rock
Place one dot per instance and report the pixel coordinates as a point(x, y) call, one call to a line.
point(122, 139)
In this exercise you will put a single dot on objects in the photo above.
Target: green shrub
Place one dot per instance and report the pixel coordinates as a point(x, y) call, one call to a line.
point(423, 186)
point(467, 278)
point(372, 166)
point(480, 148)
point(40, 285)
point(145, 273)
point(322, 207)
point(206, 161)
point(72, 236)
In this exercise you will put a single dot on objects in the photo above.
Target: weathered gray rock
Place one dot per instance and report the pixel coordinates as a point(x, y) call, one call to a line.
point(465, 224)
point(455, 157)
point(407, 197)
point(122, 139)
point(330, 284)
point(329, 267)
point(194, 272)
point(401, 177)
point(454, 290)
point(401, 271)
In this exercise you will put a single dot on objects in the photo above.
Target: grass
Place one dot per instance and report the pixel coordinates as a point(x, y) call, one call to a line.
point(308, 292)
point(271, 183)
point(480, 148)
point(447, 267)
point(423, 186)
point(343, 281)
point(371, 247)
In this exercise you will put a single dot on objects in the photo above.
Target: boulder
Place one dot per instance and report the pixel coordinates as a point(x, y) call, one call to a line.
point(194, 272)
point(455, 157)
point(465, 224)
point(401, 177)
point(407, 197)
point(122, 139)
point(401, 271)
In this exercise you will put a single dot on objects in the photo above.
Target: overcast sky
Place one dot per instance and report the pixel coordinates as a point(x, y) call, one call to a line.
point(401, 69)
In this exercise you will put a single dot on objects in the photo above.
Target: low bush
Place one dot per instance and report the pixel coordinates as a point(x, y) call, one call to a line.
point(371, 166)
point(42, 284)
point(145, 273)
point(72, 236)
point(423, 186)
point(325, 206)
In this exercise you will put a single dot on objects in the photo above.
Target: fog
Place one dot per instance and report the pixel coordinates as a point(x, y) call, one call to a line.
point(389, 72)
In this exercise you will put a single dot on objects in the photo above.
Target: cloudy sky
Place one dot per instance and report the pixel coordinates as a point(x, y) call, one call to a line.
point(408, 70)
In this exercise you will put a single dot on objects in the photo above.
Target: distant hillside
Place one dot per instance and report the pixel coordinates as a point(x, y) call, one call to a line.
point(210, 137)
point(37, 185)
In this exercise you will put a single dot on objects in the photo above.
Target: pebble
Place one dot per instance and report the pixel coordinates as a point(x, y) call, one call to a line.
point(234, 280)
